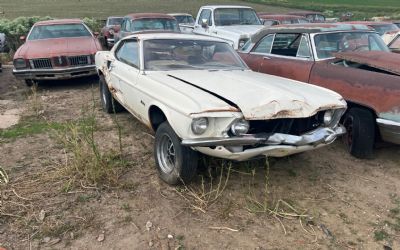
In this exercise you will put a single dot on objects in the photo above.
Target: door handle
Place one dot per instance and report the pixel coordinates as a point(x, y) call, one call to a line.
point(266, 58)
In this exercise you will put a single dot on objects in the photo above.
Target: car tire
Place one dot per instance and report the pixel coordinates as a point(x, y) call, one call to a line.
point(109, 104)
point(29, 82)
point(360, 136)
point(175, 163)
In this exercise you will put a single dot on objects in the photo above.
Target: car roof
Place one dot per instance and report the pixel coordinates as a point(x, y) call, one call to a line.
point(172, 35)
point(226, 6)
point(368, 22)
point(304, 12)
point(149, 15)
point(280, 16)
point(179, 14)
point(59, 21)
point(310, 28)
point(114, 17)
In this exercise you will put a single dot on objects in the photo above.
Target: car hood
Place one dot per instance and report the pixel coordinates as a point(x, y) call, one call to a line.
point(261, 96)
point(240, 29)
point(56, 47)
point(385, 61)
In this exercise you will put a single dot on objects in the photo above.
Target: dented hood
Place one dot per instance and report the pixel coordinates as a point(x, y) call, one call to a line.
point(57, 47)
point(386, 61)
point(261, 96)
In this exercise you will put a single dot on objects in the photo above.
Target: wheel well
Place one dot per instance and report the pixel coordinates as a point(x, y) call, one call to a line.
point(156, 116)
point(356, 105)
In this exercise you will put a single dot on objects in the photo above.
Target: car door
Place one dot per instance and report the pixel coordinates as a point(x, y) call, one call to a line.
point(289, 56)
point(205, 14)
point(126, 70)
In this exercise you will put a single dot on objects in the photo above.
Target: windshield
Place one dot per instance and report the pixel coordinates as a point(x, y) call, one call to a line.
point(184, 19)
point(155, 24)
point(114, 21)
point(58, 31)
point(239, 16)
point(327, 44)
point(383, 28)
point(171, 54)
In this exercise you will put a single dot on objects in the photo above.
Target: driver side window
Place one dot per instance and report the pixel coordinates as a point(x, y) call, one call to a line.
point(205, 14)
point(128, 53)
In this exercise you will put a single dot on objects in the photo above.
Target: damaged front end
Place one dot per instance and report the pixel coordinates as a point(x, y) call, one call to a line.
point(273, 137)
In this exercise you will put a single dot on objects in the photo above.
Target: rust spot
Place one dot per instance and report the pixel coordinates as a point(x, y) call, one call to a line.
point(228, 109)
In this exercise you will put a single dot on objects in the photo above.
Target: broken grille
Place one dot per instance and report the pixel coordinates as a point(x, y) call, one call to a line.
point(42, 63)
point(79, 60)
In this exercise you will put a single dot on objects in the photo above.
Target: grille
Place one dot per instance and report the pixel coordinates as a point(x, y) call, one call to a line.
point(42, 63)
point(294, 126)
point(79, 60)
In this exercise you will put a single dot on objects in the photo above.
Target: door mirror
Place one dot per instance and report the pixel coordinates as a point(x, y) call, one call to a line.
point(22, 38)
point(96, 34)
point(204, 23)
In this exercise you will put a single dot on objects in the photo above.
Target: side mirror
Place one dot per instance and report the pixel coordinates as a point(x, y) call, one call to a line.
point(22, 38)
point(96, 34)
point(204, 23)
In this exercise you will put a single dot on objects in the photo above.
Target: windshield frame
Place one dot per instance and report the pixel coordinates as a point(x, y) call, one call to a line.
point(35, 26)
point(250, 9)
point(243, 65)
point(314, 49)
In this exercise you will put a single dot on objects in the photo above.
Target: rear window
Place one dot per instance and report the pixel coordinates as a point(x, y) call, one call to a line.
point(114, 21)
point(58, 31)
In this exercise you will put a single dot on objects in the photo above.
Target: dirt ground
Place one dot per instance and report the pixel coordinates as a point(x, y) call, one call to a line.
point(322, 199)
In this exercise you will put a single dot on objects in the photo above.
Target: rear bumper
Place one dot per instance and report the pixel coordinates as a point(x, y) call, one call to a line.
point(55, 74)
point(110, 41)
point(390, 130)
point(276, 145)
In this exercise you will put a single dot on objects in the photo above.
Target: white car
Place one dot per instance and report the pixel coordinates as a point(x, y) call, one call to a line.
point(198, 96)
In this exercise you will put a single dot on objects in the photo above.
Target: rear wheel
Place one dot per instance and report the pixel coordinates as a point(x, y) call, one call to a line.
point(110, 105)
point(360, 136)
point(175, 163)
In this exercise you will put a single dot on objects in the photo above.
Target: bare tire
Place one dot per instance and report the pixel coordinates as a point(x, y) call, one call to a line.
point(29, 82)
point(109, 104)
point(360, 136)
point(175, 163)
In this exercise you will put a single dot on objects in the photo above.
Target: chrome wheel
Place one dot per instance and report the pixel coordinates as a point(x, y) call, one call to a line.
point(166, 154)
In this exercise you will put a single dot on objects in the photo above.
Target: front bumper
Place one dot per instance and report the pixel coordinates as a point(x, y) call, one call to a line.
point(276, 145)
point(390, 130)
point(110, 41)
point(55, 74)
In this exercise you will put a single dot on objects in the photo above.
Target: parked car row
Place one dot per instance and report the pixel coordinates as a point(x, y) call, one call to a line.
point(233, 88)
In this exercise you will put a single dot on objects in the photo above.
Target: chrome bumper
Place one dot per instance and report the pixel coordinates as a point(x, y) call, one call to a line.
point(55, 74)
point(390, 130)
point(276, 145)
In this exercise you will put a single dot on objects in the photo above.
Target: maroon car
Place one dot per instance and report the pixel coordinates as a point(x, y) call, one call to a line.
point(139, 22)
point(56, 49)
point(380, 27)
point(352, 60)
point(113, 24)
point(271, 20)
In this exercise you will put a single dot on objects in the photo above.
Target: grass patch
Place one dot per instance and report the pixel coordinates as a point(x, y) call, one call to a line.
point(334, 8)
point(29, 128)
point(381, 235)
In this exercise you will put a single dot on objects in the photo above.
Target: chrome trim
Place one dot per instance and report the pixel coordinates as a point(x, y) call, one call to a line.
point(59, 73)
point(389, 130)
point(387, 122)
point(315, 137)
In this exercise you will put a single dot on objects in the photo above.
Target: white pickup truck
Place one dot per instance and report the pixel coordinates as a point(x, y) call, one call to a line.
point(234, 24)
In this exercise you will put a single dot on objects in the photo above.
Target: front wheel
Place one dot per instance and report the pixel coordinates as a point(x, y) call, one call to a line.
point(360, 136)
point(175, 163)
point(110, 105)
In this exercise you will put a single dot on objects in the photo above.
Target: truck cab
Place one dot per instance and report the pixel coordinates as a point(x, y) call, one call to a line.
point(234, 24)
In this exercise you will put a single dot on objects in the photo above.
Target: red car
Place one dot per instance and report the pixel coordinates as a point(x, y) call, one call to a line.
point(312, 16)
point(380, 27)
point(271, 20)
point(56, 49)
point(113, 24)
point(351, 60)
